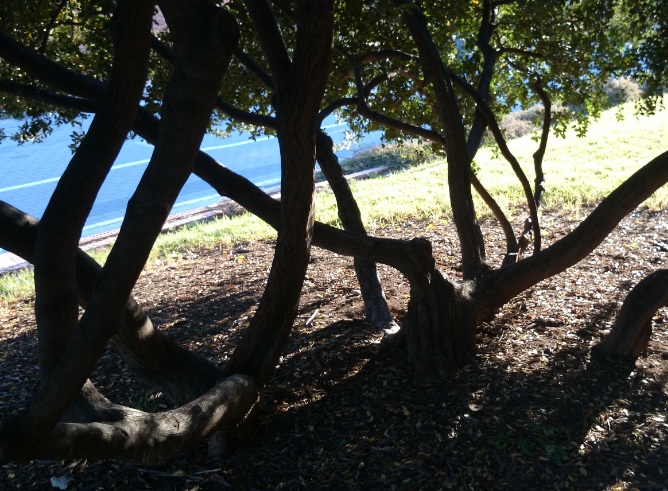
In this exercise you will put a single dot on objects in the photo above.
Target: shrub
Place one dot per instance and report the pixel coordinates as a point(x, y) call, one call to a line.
point(622, 89)
point(394, 157)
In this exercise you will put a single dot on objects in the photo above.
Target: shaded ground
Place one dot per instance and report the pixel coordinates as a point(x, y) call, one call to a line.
point(342, 413)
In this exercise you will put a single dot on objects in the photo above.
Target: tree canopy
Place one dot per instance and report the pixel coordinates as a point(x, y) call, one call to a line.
point(443, 73)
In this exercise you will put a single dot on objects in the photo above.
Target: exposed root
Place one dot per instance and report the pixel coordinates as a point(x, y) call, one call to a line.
point(147, 438)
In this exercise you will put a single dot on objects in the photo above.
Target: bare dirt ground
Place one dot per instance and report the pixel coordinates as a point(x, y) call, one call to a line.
point(342, 412)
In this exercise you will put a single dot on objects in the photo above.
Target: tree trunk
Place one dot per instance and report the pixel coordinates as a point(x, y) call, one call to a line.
point(110, 431)
point(56, 306)
point(299, 87)
point(375, 304)
point(493, 289)
point(151, 356)
point(201, 61)
point(632, 330)
point(439, 329)
point(459, 163)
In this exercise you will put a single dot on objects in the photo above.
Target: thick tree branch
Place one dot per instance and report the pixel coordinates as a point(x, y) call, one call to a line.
point(152, 357)
point(300, 88)
point(56, 305)
point(120, 432)
point(632, 330)
point(42, 68)
point(271, 39)
point(459, 164)
point(503, 284)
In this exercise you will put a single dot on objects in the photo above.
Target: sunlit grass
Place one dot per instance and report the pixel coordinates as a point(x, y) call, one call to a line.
point(579, 171)
point(584, 170)
point(16, 284)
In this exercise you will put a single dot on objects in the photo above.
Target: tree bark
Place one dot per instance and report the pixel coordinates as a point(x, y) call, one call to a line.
point(459, 164)
point(375, 305)
point(117, 432)
point(495, 289)
point(503, 284)
point(632, 330)
point(201, 60)
point(150, 355)
point(299, 88)
point(56, 306)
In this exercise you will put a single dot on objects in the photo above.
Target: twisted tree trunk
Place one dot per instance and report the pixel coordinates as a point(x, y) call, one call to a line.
point(632, 330)
point(65, 395)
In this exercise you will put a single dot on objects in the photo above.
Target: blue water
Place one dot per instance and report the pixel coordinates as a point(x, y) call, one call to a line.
point(29, 173)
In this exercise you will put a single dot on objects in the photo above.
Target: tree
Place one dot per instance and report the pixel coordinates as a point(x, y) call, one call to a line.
point(449, 70)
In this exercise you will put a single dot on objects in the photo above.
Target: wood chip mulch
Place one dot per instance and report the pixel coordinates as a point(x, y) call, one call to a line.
point(342, 411)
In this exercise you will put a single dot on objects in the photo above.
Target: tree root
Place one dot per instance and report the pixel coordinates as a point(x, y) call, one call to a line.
point(124, 433)
point(632, 330)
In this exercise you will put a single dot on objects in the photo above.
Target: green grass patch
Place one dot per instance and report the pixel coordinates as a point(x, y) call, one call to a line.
point(582, 171)
point(579, 171)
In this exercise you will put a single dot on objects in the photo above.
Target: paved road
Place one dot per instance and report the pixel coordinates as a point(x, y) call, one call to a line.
point(29, 173)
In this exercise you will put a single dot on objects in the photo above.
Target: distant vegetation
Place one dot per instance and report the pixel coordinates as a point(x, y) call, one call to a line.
point(524, 122)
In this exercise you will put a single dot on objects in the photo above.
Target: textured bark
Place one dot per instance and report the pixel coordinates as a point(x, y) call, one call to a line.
point(375, 304)
point(503, 284)
point(489, 292)
point(439, 331)
point(459, 164)
point(299, 90)
point(56, 306)
point(632, 330)
point(205, 37)
point(150, 355)
point(117, 432)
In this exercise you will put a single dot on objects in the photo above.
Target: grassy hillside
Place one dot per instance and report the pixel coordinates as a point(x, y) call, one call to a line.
point(578, 171)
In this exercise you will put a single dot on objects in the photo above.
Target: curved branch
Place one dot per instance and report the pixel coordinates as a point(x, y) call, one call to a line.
point(42, 68)
point(47, 96)
point(511, 241)
point(245, 116)
point(539, 154)
point(368, 58)
point(56, 305)
point(364, 110)
point(151, 356)
point(632, 330)
point(120, 432)
point(503, 284)
point(253, 67)
point(489, 55)
point(459, 163)
point(180, 133)
point(52, 24)
point(486, 111)
point(334, 105)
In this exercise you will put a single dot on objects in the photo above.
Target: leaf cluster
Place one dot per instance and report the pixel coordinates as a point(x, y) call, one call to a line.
point(503, 49)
